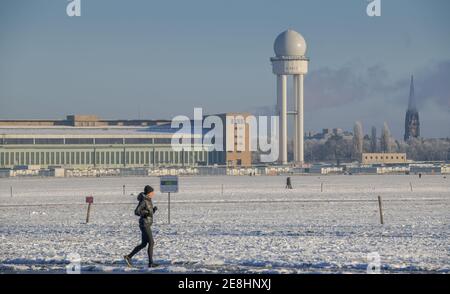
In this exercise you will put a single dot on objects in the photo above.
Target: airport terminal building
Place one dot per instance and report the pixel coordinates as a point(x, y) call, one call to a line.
point(83, 142)
point(81, 147)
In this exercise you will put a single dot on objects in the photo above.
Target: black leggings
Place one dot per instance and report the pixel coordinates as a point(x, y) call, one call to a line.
point(147, 238)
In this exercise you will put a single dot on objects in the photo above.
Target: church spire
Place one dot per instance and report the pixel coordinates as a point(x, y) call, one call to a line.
point(412, 124)
point(412, 98)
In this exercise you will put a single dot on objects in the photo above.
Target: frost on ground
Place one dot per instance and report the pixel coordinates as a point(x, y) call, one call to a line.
point(255, 226)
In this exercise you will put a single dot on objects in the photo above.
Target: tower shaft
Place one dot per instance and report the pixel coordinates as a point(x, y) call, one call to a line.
point(282, 112)
point(300, 119)
point(296, 127)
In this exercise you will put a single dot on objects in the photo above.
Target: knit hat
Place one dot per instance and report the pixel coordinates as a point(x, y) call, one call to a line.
point(148, 189)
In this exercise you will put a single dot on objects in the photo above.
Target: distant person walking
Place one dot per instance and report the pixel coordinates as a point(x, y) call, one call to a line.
point(288, 183)
point(145, 211)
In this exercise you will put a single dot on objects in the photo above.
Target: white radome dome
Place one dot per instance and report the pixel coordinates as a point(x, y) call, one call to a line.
point(290, 43)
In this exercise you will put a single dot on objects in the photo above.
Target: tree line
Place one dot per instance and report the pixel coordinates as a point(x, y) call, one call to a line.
point(341, 148)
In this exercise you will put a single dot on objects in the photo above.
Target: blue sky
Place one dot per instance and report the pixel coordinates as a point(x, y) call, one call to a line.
point(158, 59)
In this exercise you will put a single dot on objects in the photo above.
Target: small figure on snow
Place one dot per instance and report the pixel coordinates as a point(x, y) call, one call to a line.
point(145, 211)
point(288, 183)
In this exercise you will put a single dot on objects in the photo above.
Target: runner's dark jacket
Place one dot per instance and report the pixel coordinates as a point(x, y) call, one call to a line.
point(145, 210)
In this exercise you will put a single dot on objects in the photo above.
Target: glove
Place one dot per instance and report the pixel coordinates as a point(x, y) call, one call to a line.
point(155, 209)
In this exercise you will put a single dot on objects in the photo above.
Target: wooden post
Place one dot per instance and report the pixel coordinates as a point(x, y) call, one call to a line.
point(410, 186)
point(321, 187)
point(169, 208)
point(88, 212)
point(381, 210)
point(11, 190)
point(89, 200)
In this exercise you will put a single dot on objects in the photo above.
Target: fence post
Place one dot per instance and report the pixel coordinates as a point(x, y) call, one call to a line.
point(168, 208)
point(89, 200)
point(380, 209)
point(88, 212)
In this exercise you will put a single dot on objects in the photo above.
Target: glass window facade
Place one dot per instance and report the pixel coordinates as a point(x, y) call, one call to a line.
point(48, 141)
point(79, 141)
point(109, 141)
point(138, 141)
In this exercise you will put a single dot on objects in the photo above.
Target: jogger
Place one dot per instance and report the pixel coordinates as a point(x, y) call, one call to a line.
point(145, 211)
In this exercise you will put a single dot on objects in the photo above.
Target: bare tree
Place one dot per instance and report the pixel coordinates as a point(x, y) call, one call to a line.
point(386, 140)
point(373, 140)
point(337, 148)
point(358, 138)
point(340, 148)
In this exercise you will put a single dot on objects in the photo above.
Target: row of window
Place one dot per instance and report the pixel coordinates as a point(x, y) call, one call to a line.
point(101, 157)
point(68, 141)
point(385, 157)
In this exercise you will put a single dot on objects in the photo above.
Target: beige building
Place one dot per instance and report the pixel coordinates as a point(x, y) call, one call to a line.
point(379, 158)
point(236, 135)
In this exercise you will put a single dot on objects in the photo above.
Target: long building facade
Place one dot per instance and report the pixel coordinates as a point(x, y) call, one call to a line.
point(105, 146)
point(96, 148)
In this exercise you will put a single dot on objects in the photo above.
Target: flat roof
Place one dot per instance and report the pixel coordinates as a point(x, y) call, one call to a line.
point(156, 130)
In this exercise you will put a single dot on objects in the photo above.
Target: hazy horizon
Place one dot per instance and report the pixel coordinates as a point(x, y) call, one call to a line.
point(158, 59)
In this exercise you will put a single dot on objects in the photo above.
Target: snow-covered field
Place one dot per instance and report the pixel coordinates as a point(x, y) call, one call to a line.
point(256, 226)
